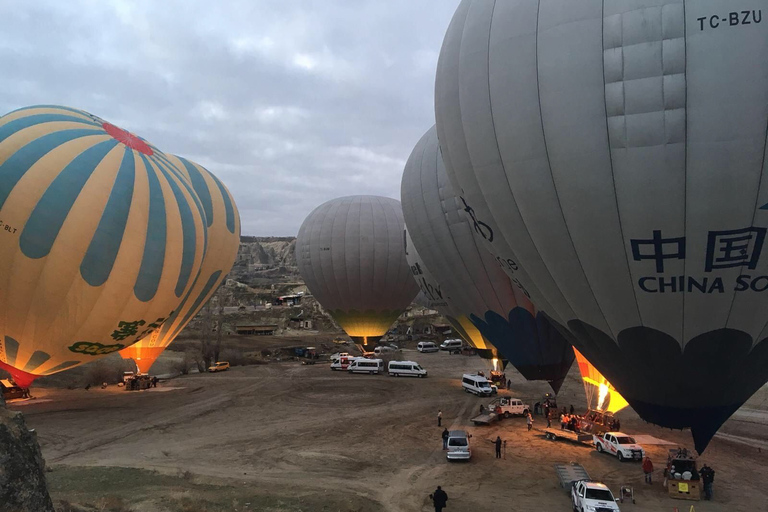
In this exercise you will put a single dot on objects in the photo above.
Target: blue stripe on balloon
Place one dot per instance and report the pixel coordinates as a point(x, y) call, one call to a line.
point(201, 187)
point(105, 244)
point(62, 366)
point(227, 204)
point(152, 262)
point(11, 350)
point(19, 163)
point(22, 123)
point(37, 359)
point(189, 235)
point(167, 166)
point(198, 302)
point(48, 217)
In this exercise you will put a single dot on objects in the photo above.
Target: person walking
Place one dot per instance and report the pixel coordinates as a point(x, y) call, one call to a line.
point(707, 477)
point(648, 469)
point(445, 438)
point(439, 418)
point(439, 499)
point(529, 420)
point(497, 442)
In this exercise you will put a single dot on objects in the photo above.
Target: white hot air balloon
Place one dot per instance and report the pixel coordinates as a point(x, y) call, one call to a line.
point(616, 152)
point(350, 254)
point(466, 281)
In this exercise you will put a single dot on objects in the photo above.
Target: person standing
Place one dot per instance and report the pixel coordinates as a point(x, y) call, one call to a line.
point(572, 409)
point(562, 420)
point(648, 469)
point(707, 477)
point(509, 383)
point(439, 499)
point(529, 420)
point(549, 420)
point(439, 418)
point(497, 442)
point(445, 438)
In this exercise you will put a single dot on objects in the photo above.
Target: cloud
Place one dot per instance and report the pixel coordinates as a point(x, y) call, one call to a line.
point(289, 103)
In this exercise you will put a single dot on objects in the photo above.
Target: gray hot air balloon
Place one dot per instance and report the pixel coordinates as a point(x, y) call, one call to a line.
point(350, 254)
point(616, 152)
point(466, 281)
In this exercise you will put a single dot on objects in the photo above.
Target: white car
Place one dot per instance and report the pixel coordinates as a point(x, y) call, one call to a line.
point(589, 496)
point(619, 444)
point(458, 445)
point(507, 407)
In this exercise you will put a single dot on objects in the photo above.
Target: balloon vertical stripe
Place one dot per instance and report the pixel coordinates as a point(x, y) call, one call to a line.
point(198, 182)
point(11, 350)
point(20, 161)
point(100, 257)
point(198, 301)
point(49, 214)
point(154, 247)
point(37, 360)
point(229, 208)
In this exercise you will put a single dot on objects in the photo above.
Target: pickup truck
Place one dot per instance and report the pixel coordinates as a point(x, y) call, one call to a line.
point(587, 496)
point(619, 444)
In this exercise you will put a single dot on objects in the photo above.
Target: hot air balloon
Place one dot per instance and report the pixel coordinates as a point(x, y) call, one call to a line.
point(223, 231)
point(350, 254)
point(101, 237)
point(615, 151)
point(469, 279)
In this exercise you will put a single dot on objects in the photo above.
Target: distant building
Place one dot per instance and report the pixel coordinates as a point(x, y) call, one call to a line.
point(257, 329)
point(288, 300)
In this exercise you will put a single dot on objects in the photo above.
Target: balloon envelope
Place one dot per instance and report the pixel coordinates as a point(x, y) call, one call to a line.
point(620, 164)
point(473, 289)
point(101, 237)
point(223, 233)
point(350, 254)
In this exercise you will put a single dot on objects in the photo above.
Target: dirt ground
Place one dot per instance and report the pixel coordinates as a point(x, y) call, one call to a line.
point(291, 437)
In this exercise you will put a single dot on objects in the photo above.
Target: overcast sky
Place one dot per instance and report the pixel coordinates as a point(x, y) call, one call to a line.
point(289, 102)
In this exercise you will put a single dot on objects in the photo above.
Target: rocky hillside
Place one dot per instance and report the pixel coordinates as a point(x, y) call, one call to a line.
point(258, 254)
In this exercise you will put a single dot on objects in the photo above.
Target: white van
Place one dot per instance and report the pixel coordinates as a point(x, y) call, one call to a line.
point(398, 368)
point(342, 363)
point(427, 346)
point(476, 384)
point(451, 345)
point(362, 365)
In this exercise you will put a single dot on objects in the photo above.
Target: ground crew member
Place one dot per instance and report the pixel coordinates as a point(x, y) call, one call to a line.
point(497, 442)
point(439, 498)
point(549, 420)
point(530, 421)
point(439, 418)
point(647, 469)
point(708, 477)
point(445, 439)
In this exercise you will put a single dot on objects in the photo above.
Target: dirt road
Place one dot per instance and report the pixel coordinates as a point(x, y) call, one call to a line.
point(360, 442)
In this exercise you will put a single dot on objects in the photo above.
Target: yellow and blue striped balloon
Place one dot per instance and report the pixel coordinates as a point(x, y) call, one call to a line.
point(101, 237)
point(223, 226)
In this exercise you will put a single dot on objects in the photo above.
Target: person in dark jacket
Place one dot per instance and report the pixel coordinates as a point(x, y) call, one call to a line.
point(439, 498)
point(648, 469)
point(707, 477)
point(572, 409)
point(497, 442)
point(445, 439)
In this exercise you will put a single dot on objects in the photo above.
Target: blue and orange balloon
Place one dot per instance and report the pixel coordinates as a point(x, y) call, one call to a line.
point(101, 238)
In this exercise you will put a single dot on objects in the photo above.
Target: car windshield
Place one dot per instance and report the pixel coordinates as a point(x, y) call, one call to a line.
point(483, 384)
point(625, 440)
point(419, 367)
point(457, 441)
point(599, 494)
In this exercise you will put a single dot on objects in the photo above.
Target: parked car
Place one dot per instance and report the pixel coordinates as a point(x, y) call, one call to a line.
point(427, 346)
point(504, 406)
point(619, 444)
point(458, 445)
point(453, 345)
point(476, 384)
point(587, 496)
point(11, 391)
point(220, 366)
point(409, 368)
point(383, 349)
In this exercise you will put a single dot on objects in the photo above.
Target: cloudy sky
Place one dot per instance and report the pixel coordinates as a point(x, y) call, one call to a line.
point(289, 102)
